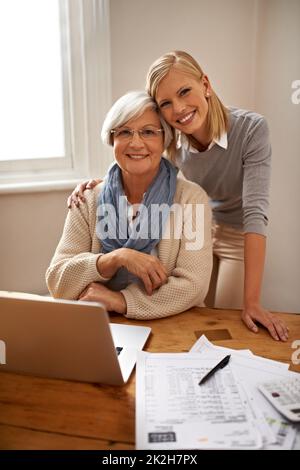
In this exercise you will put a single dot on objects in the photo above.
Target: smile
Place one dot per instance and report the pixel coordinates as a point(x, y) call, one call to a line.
point(187, 118)
point(137, 157)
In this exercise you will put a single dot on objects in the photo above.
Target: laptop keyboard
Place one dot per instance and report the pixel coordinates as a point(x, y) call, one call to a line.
point(118, 350)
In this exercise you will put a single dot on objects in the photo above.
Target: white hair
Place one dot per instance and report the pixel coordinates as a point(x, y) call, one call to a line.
point(131, 105)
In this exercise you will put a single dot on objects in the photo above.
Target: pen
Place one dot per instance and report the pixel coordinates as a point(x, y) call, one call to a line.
point(220, 365)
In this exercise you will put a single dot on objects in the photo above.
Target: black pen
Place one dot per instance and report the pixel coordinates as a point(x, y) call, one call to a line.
point(220, 365)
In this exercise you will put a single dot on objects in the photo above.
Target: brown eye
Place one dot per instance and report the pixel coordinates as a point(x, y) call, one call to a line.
point(185, 91)
point(164, 104)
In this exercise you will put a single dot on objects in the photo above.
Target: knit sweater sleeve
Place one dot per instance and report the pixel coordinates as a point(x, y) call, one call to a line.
point(73, 265)
point(188, 281)
point(256, 181)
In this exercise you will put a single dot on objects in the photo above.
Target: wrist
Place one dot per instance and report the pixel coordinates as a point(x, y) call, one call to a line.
point(251, 302)
point(107, 264)
point(118, 303)
point(251, 295)
point(120, 257)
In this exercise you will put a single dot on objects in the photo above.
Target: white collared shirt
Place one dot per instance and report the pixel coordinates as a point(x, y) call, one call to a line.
point(183, 141)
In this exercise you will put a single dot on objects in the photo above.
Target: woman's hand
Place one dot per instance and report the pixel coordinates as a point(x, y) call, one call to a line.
point(276, 327)
point(77, 195)
point(113, 301)
point(147, 267)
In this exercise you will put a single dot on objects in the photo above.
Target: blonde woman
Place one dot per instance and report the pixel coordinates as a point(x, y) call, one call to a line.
point(227, 152)
point(135, 244)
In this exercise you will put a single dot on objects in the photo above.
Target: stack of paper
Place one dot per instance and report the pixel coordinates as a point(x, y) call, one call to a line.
point(227, 412)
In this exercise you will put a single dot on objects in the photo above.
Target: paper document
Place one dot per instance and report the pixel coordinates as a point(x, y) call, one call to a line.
point(251, 370)
point(174, 412)
point(204, 345)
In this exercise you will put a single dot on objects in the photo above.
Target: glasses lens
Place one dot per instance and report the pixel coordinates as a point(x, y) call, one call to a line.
point(148, 133)
point(124, 134)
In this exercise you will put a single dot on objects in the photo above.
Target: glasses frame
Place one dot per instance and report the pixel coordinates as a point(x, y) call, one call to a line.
point(139, 131)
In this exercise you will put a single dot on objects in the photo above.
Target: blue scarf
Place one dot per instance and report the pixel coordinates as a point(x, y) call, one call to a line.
point(114, 230)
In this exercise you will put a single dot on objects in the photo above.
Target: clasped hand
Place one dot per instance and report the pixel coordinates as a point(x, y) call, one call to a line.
point(148, 268)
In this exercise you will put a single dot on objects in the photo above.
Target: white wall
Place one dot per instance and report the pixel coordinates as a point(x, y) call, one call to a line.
point(278, 65)
point(31, 225)
point(249, 50)
point(218, 33)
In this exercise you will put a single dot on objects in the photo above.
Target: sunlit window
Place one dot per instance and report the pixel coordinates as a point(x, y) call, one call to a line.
point(54, 91)
point(31, 84)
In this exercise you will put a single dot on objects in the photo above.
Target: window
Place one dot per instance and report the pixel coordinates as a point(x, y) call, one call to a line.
point(54, 89)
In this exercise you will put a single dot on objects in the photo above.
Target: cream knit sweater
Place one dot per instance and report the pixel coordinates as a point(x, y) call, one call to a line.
point(73, 266)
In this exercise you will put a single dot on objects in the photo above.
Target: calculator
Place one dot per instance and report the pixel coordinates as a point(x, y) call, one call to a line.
point(284, 395)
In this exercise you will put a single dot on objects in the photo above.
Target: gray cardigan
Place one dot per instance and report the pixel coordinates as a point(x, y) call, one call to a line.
point(236, 178)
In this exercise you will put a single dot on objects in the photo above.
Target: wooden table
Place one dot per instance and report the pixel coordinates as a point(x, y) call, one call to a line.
point(38, 413)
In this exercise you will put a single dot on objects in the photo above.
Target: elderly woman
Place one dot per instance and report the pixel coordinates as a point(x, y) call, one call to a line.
point(135, 245)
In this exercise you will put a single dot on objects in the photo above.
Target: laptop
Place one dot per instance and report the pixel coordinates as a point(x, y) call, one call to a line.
point(66, 339)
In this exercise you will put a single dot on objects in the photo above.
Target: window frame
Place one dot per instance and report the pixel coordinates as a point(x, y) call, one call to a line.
point(85, 46)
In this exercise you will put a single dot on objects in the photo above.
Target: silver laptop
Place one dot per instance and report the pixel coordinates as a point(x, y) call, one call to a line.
point(66, 339)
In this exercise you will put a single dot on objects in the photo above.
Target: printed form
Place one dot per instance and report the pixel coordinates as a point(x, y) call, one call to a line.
point(174, 412)
point(277, 432)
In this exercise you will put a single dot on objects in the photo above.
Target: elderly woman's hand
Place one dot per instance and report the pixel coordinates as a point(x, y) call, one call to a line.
point(113, 301)
point(77, 195)
point(147, 267)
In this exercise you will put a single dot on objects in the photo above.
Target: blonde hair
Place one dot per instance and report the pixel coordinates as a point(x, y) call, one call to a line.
point(131, 105)
point(217, 117)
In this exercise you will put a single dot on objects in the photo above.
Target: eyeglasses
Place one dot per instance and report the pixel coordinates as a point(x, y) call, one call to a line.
point(147, 133)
